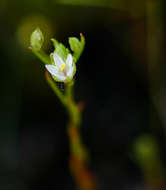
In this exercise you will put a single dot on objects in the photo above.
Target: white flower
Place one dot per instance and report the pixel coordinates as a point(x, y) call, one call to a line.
point(62, 71)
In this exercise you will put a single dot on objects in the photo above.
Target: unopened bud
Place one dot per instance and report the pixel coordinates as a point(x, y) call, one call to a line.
point(37, 39)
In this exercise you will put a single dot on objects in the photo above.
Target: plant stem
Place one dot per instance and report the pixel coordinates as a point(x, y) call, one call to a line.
point(79, 160)
point(78, 154)
point(56, 89)
point(153, 172)
point(41, 55)
point(69, 91)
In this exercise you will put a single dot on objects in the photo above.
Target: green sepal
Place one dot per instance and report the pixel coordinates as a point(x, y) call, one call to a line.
point(67, 80)
point(52, 59)
point(57, 80)
point(77, 46)
point(60, 49)
point(36, 39)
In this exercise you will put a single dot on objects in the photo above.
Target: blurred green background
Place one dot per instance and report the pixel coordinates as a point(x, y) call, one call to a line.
point(120, 77)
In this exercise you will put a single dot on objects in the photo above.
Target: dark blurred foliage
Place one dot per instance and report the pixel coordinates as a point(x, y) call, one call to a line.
point(112, 80)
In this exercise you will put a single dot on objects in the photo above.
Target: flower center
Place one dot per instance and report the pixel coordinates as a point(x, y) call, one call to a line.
point(62, 67)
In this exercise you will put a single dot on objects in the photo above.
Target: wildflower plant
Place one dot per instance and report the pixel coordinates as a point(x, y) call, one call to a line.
point(61, 67)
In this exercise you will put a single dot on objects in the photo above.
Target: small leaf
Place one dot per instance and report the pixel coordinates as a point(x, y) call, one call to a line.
point(77, 46)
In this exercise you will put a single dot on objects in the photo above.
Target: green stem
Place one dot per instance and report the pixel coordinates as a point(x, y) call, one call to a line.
point(41, 55)
point(78, 153)
point(56, 89)
point(72, 108)
point(74, 112)
point(69, 91)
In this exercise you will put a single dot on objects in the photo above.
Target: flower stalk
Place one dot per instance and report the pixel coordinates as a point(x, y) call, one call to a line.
point(79, 159)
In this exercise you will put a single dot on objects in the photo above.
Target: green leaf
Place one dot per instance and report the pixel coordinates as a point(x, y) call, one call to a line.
point(77, 46)
point(60, 49)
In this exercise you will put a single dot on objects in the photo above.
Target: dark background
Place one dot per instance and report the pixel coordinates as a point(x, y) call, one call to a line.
point(120, 78)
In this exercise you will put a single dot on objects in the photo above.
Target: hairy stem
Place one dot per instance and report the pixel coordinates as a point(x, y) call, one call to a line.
point(78, 153)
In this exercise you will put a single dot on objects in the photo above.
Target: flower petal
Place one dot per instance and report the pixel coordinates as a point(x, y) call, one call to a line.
point(54, 70)
point(69, 60)
point(60, 77)
point(57, 59)
point(69, 66)
point(70, 72)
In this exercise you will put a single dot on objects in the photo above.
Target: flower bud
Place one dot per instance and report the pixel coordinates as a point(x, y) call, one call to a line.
point(36, 39)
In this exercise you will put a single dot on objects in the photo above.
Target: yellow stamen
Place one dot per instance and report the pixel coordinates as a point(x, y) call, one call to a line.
point(62, 67)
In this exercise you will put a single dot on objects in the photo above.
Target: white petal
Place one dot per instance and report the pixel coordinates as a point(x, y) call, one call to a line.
point(69, 60)
point(70, 72)
point(69, 65)
point(57, 59)
point(54, 70)
point(60, 77)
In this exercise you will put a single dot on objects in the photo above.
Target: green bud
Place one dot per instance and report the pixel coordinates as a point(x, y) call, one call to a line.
point(36, 39)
